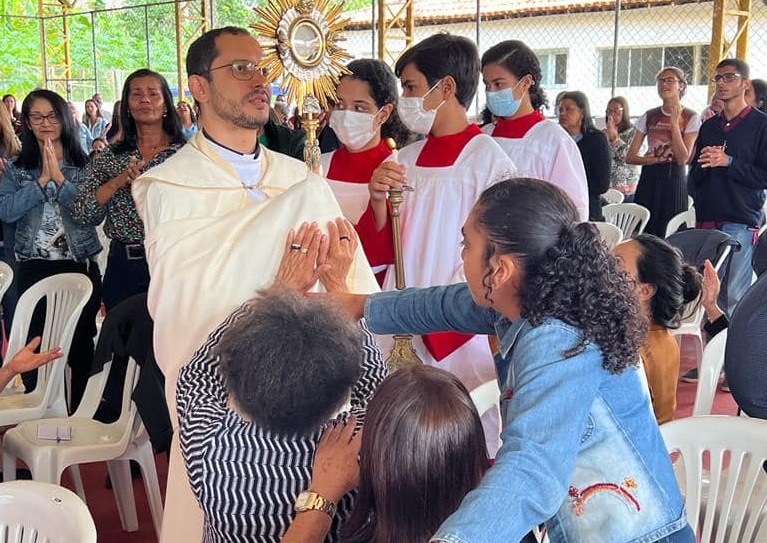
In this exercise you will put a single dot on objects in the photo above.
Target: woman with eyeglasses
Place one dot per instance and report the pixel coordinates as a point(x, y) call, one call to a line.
point(37, 193)
point(575, 117)
point(671, 130)
point(620, 132)
point(151, 132)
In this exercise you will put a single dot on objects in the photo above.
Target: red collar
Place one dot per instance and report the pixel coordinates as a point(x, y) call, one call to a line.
point(728, 125)
point(356, 167)
point(439, 152)
point(517, 128)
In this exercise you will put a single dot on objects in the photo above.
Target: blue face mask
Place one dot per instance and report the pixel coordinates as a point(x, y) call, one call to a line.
point(502, 103)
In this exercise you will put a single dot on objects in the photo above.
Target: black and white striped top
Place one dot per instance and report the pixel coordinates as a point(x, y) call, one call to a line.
point(246, 479)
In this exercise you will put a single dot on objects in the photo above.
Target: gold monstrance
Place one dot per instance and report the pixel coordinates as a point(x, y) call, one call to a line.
point(301, 48)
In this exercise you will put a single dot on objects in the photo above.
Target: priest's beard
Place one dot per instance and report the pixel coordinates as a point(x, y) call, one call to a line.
point(231, 111)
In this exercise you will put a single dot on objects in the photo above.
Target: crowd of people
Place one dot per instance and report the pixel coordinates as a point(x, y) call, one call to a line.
point(274, 393)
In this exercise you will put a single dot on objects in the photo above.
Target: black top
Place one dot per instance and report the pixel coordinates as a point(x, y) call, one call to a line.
point(595, 151)
point(734, 193)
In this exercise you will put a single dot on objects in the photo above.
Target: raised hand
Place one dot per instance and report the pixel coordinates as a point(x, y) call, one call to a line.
point(299, 268)
point(342, 247)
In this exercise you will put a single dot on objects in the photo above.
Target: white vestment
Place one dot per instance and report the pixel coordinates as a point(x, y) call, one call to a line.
point(431, 220)
point(547, 152)
point(209, 248)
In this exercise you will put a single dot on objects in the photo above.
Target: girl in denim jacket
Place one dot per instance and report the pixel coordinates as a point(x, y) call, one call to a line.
point(37, 192)
point(581, 450)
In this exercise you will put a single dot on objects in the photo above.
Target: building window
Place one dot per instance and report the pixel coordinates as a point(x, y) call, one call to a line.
point(638, 66)
point(553, 68)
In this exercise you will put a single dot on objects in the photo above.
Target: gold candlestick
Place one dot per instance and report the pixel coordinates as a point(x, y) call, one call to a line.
point(402, 353)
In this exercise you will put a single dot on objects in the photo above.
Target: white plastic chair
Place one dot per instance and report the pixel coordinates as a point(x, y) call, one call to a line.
point(35, 512)
point(611, 234)
point(726, 503)
point(93, 441)
point(487, 396)
point(630, 218)
point(711, 365)
point(65, 295)
point(613, 196)
point(685, 218)
point(6, 278)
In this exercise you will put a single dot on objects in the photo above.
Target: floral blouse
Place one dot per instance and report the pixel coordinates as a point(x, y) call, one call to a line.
point(121, 220)
point(622, 175)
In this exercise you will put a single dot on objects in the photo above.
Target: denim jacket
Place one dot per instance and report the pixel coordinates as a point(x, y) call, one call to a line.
point(22, 200)
point(581, 449)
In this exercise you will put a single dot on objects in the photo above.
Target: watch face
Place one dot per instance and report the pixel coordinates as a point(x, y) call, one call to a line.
point(304, 500)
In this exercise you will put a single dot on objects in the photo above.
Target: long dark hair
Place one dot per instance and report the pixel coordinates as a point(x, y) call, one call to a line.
point(519, 59)
point(580, 99)
point(29, 157)
point(569, 274)
point(171, 124)
point(676, 282)
point(625, 123)
point(383, 88)
point(423, 450)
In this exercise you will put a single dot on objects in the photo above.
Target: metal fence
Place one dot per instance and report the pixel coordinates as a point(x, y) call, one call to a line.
point(602, 53)
point(577, 50)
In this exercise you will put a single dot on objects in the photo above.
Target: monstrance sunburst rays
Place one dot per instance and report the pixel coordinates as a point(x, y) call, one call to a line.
point(301, 39)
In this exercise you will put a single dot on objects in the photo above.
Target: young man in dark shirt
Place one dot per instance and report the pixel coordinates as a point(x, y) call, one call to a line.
point(728, 174)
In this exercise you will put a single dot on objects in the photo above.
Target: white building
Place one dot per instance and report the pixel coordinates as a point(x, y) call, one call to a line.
point(575, 40)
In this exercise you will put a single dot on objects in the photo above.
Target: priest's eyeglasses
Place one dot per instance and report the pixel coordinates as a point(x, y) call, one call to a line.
point(242, 70)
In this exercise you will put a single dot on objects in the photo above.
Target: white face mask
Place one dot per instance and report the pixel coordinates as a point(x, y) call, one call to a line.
point(414, 116)
point(354, 128)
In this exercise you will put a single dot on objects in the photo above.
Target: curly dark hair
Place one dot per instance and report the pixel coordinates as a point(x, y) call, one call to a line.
point(676, 282)
point(382, 84)
point(290, 362)
point(569, 273)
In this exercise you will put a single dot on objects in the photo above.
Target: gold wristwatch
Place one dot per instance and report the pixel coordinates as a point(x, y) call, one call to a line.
point(309, 500)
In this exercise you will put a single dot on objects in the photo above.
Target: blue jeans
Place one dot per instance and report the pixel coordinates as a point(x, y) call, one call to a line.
point(740, 275)
point(685, 535)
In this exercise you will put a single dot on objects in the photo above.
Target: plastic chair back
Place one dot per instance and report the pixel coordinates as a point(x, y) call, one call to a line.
point(35, 512)
point(725, 503)
point(708, 374)
point(685, 218)
point(6, 278)
point(630, 218)
point(610, 234)
point(487, 396)
point(65, 295)
point(613, 196)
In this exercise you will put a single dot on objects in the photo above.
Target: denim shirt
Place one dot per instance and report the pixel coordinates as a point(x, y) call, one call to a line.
point(22, 200)
point(581, 449)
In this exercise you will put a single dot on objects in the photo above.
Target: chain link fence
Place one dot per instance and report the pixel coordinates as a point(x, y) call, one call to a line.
point(577, 49)
point(603, 52)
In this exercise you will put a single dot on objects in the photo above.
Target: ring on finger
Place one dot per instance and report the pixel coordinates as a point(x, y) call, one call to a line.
point(295, 247)
point(345, 238)
point(304, 250)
